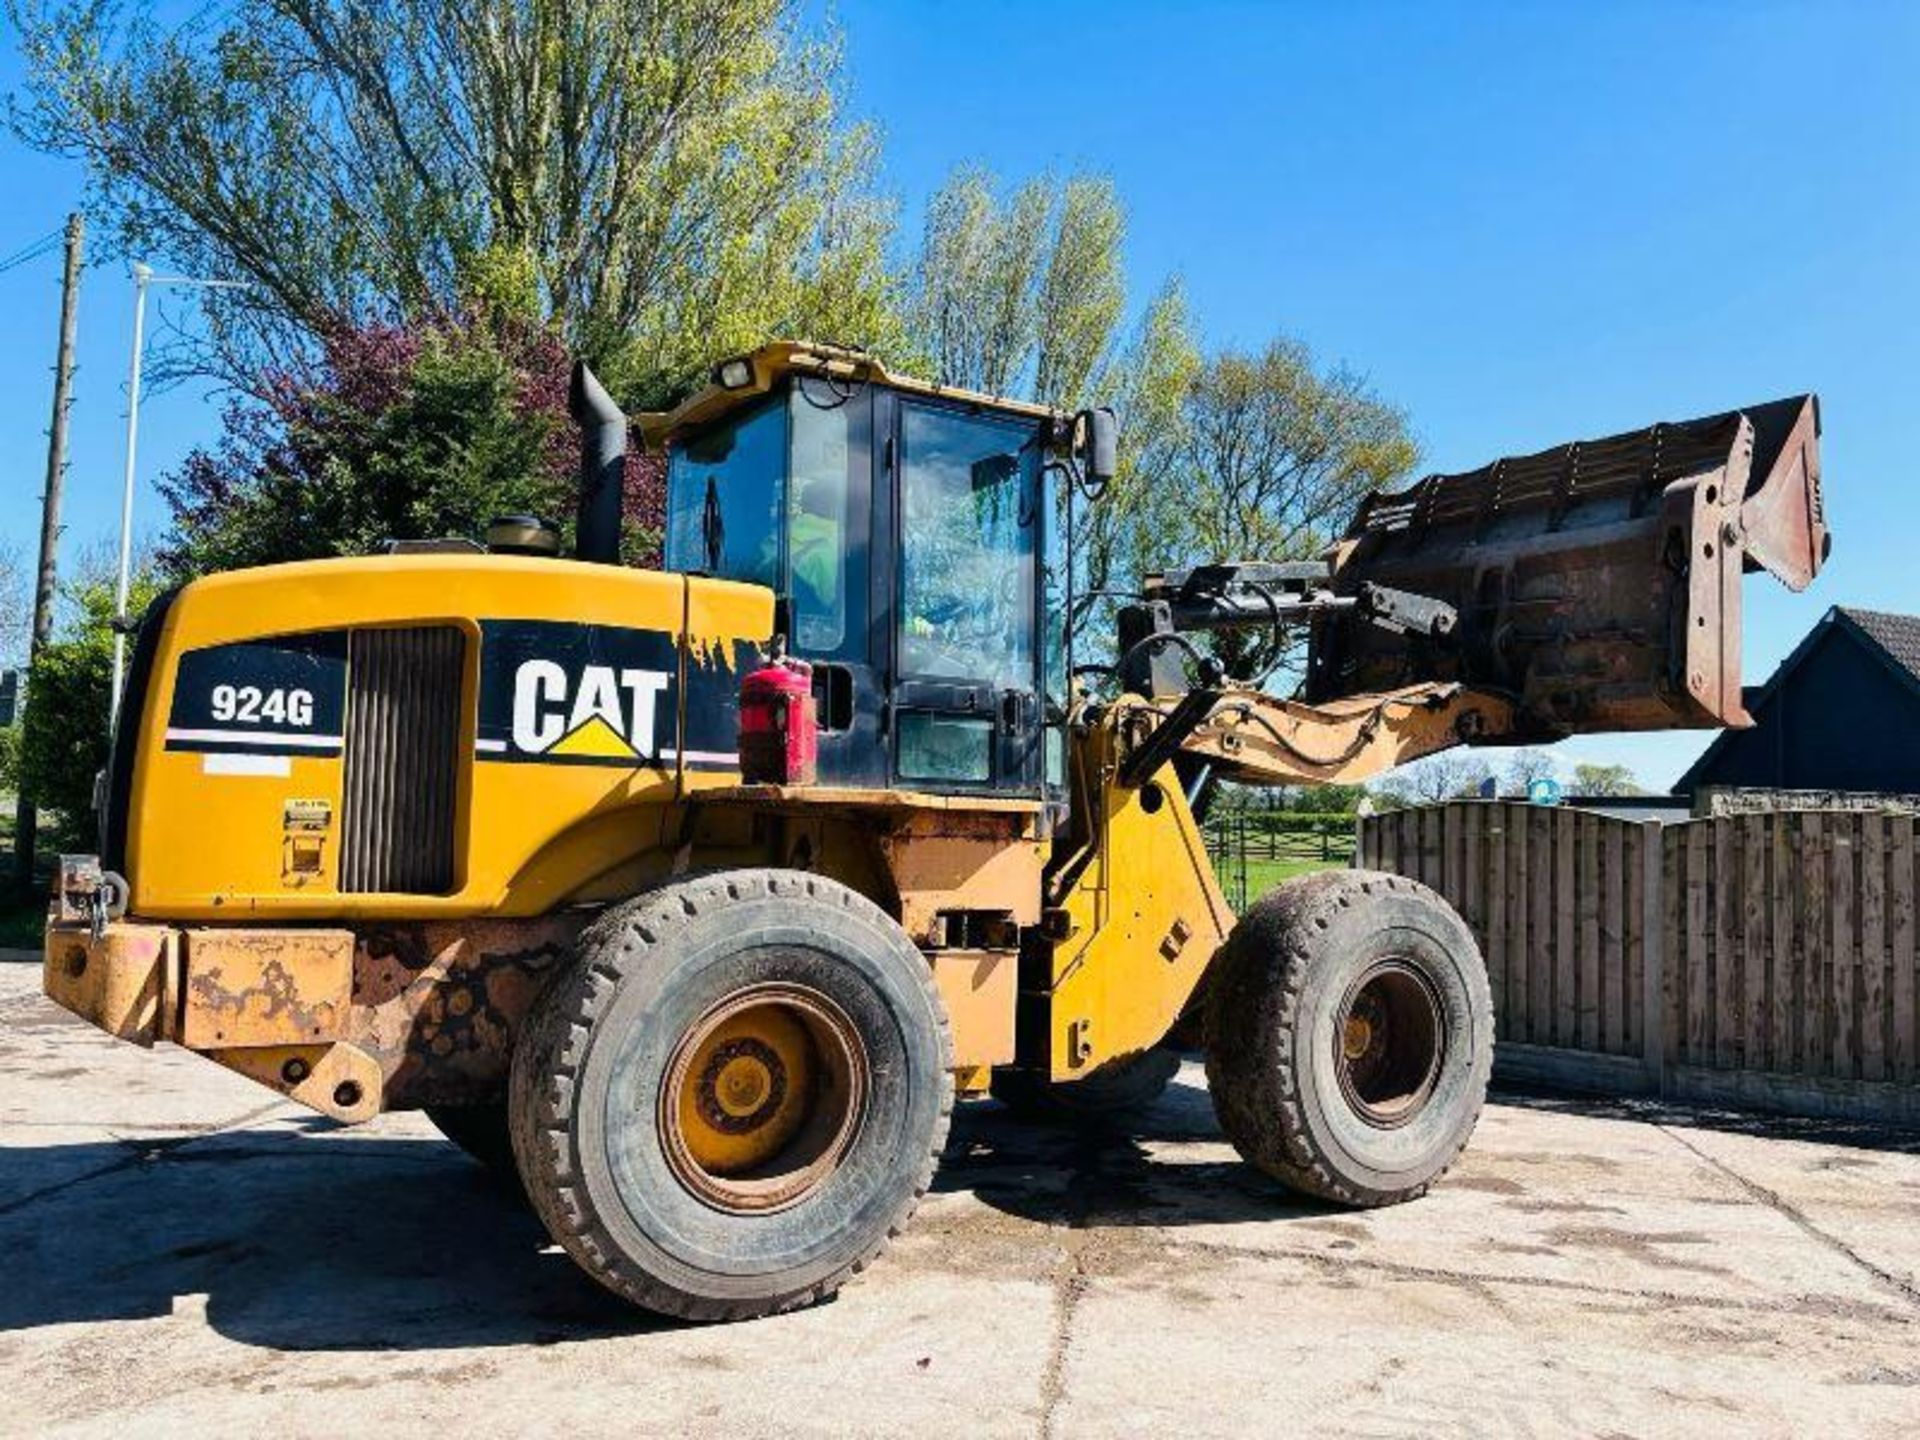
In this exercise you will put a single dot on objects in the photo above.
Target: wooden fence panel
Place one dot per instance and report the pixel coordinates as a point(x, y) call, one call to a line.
point(1514, 955)
point(1561, 825)
point(1843, 890)
point(1633, 865)
point(1610, 961)
point(1472, 872)
point(1900, 944)
point(1753, 943)
point(1811, 880)
point(1782, 956)
point(1432, 855)
point(1589, 894)
point(1782, 944)
point(1671, 1021)
point(1697, 939)
point(1493, 839)
point(1724, 1013)
point(1871, 1008)
point(1540, 925)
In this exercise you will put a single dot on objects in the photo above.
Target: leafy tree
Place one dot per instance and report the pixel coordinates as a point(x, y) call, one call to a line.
point(664, 179)
point(16, 630)
point(16, 607)
point(1325, 799)
point(392, 434)
point(1449, 775)
point(1122, 536)
point(1268, 459)
point(9, 759)
point(1522, 768)
point(1276, 453)
point(63, 737)
point(1605, 780)
point(1020, 293)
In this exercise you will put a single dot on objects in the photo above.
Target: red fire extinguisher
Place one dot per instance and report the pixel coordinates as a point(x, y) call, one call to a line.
point(779, 734)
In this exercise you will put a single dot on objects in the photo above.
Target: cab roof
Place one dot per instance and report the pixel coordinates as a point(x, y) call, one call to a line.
point(774, 362)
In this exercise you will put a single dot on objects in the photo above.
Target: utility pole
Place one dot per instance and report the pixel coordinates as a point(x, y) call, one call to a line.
point(25, 818)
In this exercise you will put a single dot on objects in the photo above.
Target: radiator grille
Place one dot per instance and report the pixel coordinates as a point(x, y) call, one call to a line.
point(403, 757)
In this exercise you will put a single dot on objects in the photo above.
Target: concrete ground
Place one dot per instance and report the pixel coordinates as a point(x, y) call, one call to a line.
point(181, 1252)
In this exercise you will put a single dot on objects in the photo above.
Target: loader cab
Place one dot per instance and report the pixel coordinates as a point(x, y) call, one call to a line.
point(907, 535)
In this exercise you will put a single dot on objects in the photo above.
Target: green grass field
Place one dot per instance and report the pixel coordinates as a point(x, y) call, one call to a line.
point(1263, 875)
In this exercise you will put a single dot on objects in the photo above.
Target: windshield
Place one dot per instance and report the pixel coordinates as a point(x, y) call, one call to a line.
point(724, 491)
point(967, 529)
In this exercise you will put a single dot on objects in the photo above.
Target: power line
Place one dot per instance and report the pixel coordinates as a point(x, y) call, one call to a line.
point(33, 250)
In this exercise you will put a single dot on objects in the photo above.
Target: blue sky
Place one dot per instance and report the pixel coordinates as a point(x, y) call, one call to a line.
point(1526, 224)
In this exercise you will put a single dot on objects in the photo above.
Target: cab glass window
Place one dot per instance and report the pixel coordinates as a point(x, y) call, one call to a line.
point(967, 532)
point(724, 492)
point(823, 528)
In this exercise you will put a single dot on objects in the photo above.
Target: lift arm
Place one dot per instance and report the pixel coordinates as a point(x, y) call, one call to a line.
point(1591, 587)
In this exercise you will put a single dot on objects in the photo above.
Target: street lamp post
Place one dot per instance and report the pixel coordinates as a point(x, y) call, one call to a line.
point(143, 277)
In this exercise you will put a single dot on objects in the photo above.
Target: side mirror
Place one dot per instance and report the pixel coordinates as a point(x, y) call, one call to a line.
point(1100, 443)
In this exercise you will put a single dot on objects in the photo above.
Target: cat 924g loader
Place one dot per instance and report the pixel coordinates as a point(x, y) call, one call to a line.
point(697, 895)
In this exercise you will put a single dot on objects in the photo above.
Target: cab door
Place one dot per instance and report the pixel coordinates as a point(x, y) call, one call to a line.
point(966, 524)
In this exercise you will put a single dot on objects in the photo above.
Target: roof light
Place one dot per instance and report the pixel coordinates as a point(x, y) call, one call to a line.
point(734, 374)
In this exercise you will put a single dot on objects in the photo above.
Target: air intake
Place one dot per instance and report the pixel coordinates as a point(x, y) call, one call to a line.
point(403, 758)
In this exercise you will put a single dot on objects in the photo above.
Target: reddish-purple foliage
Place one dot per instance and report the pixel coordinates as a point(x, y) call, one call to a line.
point(357, 373)
point(645, 505)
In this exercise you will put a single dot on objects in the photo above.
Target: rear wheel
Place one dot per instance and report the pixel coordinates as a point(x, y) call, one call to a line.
point(1114, 1089)
point(737, 1095)
point(1350, 1036)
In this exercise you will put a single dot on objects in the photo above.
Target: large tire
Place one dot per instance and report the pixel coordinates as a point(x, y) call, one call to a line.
point(1115, 1089)
point(736, 1096)
point(1350, 1036)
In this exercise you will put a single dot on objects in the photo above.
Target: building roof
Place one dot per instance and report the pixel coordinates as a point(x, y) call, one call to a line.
point(1892, 640)
point(1898, 635)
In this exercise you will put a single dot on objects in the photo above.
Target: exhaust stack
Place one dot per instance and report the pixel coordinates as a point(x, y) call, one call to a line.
point(603, 467)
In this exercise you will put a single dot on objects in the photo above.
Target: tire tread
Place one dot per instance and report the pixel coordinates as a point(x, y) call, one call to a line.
point(553, 1048)
point(1258, 992)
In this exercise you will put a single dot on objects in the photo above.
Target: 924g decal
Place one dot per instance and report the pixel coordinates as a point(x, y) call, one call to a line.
point(285, 696)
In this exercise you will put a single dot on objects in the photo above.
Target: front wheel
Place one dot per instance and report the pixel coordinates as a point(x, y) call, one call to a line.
point(736, 1096)
point(1350, 1036)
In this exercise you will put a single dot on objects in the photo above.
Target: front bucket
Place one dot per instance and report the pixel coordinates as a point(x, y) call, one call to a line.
point(1598, 583)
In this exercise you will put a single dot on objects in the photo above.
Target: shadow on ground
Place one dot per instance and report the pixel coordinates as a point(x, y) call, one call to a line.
point(301, 1238)
point(298, 1240)
point(1850, 1134)
point(1113, 1173)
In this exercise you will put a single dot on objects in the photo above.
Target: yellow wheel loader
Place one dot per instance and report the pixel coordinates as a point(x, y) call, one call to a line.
point(696, 896)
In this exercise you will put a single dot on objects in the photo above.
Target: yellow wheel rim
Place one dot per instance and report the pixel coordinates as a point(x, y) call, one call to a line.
point(1391, 1043)
point(762, 1098)
point(1358, 1038)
